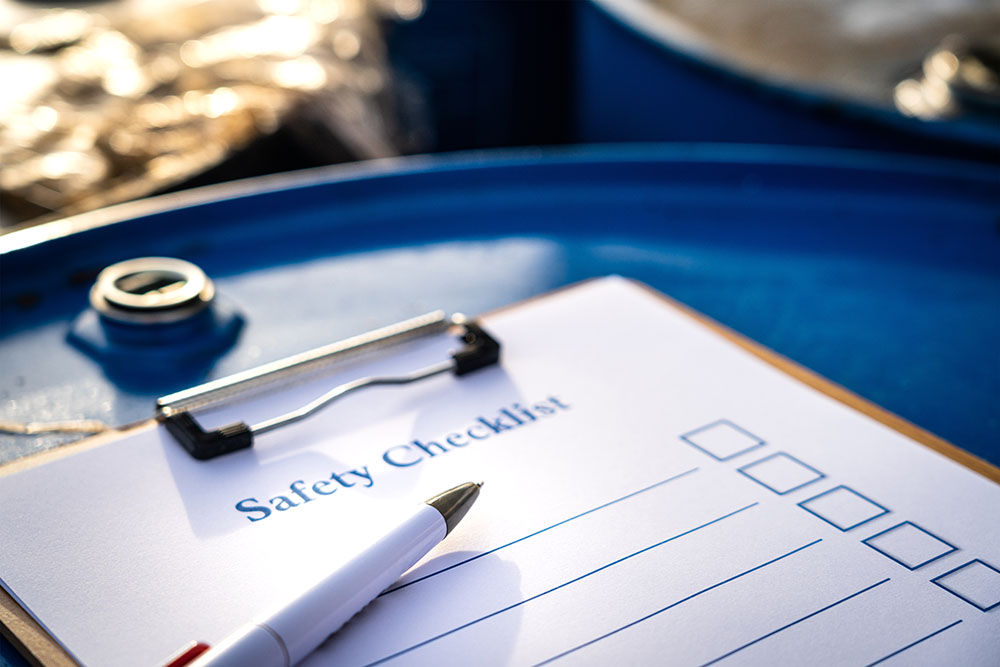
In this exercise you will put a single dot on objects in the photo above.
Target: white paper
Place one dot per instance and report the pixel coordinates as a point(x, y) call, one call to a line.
point(601, 535)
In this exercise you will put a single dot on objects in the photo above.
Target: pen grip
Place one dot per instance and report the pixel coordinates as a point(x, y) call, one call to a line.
point(250, 645)
point(288, 635)
point(324, 608)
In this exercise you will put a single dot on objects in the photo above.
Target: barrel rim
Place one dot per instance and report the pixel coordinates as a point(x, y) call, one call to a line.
point(751, 155)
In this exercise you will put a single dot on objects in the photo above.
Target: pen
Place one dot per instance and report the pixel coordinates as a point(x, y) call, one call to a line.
point(291, 632)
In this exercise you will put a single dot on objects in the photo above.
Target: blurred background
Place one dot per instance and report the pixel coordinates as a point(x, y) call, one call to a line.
point(112, 101)
point(820, 175)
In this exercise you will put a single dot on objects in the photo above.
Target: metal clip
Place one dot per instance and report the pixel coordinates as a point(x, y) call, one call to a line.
point(480, 350)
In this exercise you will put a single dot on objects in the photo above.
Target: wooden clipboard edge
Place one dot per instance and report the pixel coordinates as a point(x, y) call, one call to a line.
point(39, 648)
point(34, 644)
point(835, 391)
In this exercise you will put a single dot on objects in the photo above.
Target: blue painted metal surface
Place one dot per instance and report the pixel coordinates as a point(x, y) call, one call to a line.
point(125, 350)
point(882, 274)
point(632, 85)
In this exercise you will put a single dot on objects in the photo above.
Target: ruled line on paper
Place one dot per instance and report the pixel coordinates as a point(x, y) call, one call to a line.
point(572, 581)
point(539, 532)
point(795, 622)
point(678, 602)
point(912, 644)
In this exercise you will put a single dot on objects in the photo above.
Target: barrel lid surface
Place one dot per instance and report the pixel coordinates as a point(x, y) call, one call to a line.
point(881, 273)
point(848, 56)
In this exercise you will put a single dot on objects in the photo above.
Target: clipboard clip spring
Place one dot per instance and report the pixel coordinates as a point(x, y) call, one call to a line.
point(479, 350)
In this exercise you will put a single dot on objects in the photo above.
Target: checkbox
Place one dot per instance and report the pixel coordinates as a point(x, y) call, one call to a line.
point(909, 545)
point(975, 582)
point(722, 440)
point(781, 473)
point(843, 508)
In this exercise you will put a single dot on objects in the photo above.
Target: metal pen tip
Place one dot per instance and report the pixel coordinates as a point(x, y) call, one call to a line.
point(454, 503)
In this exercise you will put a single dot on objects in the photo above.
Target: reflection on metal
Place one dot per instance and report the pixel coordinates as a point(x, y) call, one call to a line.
point(155, 318)
point(845, 50)
point(349, 388)
point(300, 366)
point(479, 350)
point(455, 503)
point(112, 103)
point(959, 77)
point(151, 290)
point(848, 52)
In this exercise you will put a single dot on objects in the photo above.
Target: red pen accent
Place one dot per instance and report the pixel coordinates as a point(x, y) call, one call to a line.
point(190, 652)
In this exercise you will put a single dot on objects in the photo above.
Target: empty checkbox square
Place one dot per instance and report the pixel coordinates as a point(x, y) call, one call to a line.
point(781, 473)
point(843, 507)
point(909, 545)
point(975, 582)
point(722, 440)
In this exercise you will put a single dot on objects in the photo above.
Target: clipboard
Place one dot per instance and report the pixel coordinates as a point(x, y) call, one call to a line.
point(38, 647)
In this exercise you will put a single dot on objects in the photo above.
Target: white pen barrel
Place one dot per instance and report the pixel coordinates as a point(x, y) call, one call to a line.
point(304, 624)
point(252, 645)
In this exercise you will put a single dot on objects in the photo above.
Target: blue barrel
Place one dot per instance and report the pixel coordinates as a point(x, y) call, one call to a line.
point(638, 77)
point(880, 273)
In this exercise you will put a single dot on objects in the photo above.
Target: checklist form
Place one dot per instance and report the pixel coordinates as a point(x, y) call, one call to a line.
point(654, 494)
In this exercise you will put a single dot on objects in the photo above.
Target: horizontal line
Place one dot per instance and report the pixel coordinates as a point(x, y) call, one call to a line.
point(539, 532)
point(562, 585)
point(674, 604)
point(796, 622)
point(912, 644)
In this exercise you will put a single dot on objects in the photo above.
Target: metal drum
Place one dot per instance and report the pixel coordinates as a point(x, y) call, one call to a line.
point(914, 77)
point(881, 273)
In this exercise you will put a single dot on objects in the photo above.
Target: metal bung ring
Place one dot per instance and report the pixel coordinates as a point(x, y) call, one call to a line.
point(151, 290)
